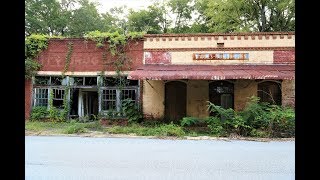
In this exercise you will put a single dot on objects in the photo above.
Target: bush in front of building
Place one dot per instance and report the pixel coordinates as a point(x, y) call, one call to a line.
point(131, 111)
point(170, 130)
point(75, 128)
point(189, 121)
point(257, 119)
point(38, 113)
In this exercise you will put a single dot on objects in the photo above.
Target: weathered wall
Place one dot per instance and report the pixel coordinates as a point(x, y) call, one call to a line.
point(264, 57)
point(197, 97)
point(27, 98)
point(211, 40)
point(288, 93)
point(280, 57)
point(242, 90)
point(85, 56)
point(153, 99)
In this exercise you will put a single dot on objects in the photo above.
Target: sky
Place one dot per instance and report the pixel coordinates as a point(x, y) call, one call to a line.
point(105, 5)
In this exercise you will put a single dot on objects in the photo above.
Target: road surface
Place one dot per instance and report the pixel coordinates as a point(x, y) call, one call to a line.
point(54, 157)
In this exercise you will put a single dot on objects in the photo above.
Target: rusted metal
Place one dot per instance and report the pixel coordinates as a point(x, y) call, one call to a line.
point(218, 72)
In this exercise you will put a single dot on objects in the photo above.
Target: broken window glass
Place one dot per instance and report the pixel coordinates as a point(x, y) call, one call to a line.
point(78, 81)
point(90, 81)
point(57, 100)
point(109, 100)
point(42, 80)
point(41, 97)
point(56, 80)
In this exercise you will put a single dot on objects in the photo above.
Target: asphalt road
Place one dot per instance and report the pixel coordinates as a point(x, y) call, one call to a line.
point(155, 159)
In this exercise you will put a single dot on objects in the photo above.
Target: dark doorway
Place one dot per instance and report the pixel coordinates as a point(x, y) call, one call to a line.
point(90, 104)
point(74, 103)
point(221, 94)
point(175, 101)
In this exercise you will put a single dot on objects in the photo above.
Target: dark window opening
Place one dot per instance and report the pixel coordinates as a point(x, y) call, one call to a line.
point(270, 92)
point(57, 100)
point(122, 81)
point(220, 44)
point(74, 103)
point(56, 81)
point(78, 81)
point(42, 80)
point(221, 93)
point(90, 81)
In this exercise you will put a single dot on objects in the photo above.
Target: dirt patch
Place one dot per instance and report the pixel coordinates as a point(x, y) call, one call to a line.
point(107, 135)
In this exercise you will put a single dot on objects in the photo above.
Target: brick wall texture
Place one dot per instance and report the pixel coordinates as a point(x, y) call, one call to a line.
point(27, 98)
point(86, 56)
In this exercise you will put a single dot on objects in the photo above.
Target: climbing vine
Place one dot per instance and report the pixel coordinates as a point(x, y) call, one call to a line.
point(116, 46)
point(34, 44)
point(68, 58)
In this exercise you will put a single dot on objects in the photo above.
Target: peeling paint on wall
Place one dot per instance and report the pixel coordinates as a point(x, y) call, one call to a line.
point(157, 57)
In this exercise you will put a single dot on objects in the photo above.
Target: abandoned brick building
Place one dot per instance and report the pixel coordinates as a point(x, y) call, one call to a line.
point(171, 75)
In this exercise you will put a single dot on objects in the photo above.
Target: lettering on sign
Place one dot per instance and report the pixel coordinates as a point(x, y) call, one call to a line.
point(220, 56)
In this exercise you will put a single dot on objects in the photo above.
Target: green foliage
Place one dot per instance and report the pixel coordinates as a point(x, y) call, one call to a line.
point(34, 44)
point(182, 9)
point(216, 126)
point(171, 130)
point(257, 119)
point(86, 18)
point(131, 111)
point(38, 113)
point(54, 113)
point(75, 128)
point(249, 15)
point(68, 58)
point(161, 130)
point(148, 20)
point(282, 121)
point(31, 67)
point(188, 121)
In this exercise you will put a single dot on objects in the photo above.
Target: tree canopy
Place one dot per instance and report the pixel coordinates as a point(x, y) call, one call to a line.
point(74, 18)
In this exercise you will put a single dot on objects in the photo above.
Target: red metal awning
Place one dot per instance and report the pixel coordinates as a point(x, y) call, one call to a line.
point(208, 72)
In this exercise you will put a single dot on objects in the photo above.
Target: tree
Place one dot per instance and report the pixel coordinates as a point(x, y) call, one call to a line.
point(85, 19)
point(146, 20)
point(46, 17)
point(182, 9)
point(250, 15)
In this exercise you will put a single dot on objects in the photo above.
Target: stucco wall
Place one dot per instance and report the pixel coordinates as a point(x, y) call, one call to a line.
point(242, 90)
point(153, 99)
point(197, 97)
point(264, 57)
point(206, 41)
point(288, 93)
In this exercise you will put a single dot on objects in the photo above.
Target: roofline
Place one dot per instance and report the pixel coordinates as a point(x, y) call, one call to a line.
point(221, 34)
point(191, 34)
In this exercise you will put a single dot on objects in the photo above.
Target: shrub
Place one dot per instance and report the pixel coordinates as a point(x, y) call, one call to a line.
point(75, 128)
point(38, 113)
point(171, 130)
point(216, 126)
point(282, 121)
point(237, 125)
point(256, 113)
point(131, 111)
point(188, 121)
point(259, 133)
